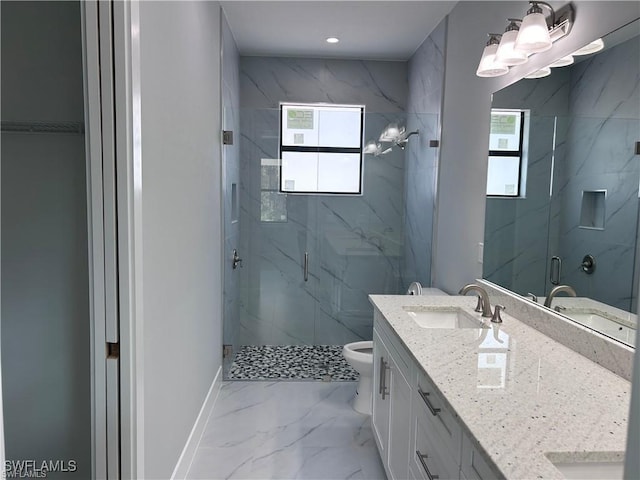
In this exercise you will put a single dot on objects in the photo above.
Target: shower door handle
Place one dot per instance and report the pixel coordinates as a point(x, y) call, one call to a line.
point(554, 274)
point(306, 266)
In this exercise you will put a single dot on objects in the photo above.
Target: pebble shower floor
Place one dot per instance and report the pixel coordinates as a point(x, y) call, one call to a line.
point(291, 362)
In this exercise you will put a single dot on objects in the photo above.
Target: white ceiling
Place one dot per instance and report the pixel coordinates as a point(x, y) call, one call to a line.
point(375, 30)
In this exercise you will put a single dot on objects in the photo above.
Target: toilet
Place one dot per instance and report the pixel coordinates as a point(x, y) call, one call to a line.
point(360, 356)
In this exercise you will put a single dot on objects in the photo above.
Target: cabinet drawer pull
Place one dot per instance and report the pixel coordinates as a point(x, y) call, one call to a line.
point(421, 457)
point(383, 390)
point(425, 397)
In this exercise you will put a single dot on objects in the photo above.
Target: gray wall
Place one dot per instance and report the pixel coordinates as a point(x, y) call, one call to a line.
point(45, 295)
point(181, 215)
point(277, 306)
point(231, 176)
point(424, 104)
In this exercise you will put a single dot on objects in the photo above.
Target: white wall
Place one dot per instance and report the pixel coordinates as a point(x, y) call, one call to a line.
point(181, 211)
point(459, 223)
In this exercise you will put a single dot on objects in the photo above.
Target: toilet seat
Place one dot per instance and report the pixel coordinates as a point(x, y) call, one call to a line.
point(360, 356)
point(354, 350)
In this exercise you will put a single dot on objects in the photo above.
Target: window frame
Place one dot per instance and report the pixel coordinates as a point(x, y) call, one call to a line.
point(511, 153)
point(317, 149)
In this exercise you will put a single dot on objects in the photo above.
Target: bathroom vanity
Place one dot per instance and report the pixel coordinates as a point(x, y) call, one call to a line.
point(456, 396)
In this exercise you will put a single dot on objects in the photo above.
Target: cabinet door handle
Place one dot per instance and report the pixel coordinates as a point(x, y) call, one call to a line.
point(425, 397)
point(306, 267)
point(422, 457)
point(383, 390)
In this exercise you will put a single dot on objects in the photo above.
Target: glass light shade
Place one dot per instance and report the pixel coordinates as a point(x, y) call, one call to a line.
point(489, 66)
point(390, 133)
point(592, 47)
point(562, 62)
point(533, 36)
point(543, 72)
point(371, 147)
point(507, 53)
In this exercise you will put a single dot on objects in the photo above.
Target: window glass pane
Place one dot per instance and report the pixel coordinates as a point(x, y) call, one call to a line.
point(339, 172)
point(505, 130)
point(321, 149)
point(503, 176)
point(299, 125)
point(321, 126)
point(299, 172)
point(340, 127)
point(320, 172)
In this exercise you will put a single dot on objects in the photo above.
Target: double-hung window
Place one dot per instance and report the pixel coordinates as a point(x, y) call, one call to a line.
point(506, 158)
point(321, 148)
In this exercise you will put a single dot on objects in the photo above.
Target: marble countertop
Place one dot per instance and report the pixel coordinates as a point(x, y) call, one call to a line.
point(518, 393)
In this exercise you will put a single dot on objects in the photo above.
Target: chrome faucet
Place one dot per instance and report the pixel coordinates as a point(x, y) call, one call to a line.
point(559, 289)
point(484, 297)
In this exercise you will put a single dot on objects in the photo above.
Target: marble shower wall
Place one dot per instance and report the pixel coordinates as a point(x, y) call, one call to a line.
point(231, 176)
point(355, 243)
point(426, 77)
point(601, 134)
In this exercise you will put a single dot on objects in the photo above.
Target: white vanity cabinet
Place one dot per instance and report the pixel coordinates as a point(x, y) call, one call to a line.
point(417, 435)
point(391, 414)
point(436, 435)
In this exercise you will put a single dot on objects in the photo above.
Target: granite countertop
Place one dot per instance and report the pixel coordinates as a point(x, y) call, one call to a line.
point(518, 393)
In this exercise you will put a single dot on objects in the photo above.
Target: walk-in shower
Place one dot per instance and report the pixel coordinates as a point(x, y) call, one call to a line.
point(310, 260)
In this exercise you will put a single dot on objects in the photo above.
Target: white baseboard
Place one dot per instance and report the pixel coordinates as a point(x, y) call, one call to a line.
point(190, 448)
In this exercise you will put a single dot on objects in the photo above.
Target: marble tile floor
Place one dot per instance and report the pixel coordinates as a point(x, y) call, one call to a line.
point(286, 430)
point(291, 362)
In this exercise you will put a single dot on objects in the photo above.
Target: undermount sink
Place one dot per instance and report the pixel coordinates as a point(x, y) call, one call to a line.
point(591, 470)
point(426, 317)
point(589, 465)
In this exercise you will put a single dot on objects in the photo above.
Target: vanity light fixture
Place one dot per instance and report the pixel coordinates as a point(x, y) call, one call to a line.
point(489, 66)
point(332, 40)
point(391, 132)
point(536, 33)
point(533, 36)
point(507, 54)
point(398, 136)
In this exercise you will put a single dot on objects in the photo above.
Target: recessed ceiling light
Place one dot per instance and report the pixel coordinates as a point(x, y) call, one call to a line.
point(333, 40)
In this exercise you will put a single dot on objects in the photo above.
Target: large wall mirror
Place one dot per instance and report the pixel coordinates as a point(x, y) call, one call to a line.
point(563, 205)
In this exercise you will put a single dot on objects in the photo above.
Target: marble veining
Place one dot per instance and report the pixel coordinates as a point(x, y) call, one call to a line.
point(551, 400)
point(293, 430)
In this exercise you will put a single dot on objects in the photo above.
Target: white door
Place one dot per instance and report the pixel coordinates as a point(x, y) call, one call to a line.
point(112, 113)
